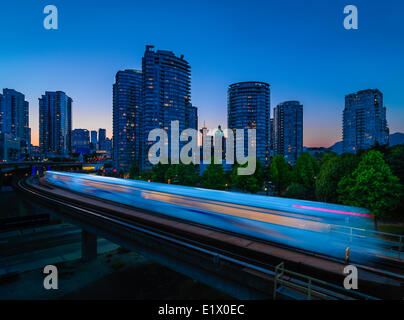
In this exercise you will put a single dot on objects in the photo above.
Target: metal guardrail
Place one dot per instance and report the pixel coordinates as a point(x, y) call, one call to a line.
point(280, 280)
point(311, 287)
point(364, 233)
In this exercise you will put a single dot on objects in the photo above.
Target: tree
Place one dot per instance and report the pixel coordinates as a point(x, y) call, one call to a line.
point(134, 171)
point(383, 148)
point(146, 175)
point(280, 174)
point(296, 191)
point(213, 177)
point(251, 183)
point(304, 173)
point(395, 159)
point(331, 172)
point(371, 185)
point(325, 156)
point(158, 172)
point(182, 174)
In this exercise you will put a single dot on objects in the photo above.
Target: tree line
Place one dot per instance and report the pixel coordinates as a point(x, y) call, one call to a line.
point(372, 178)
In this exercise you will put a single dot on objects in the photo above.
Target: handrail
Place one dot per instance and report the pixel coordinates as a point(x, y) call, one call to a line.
point(310, 282)
point(351, 233)
point(279, 275)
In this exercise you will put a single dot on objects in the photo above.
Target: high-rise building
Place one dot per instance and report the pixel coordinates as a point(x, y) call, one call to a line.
point(108, 146)
point(364, 121)
point(215, 148)
point(166, 95)
point(80, 141)
point(93, 139)
point(14, 118)
point(127, 118)
point(219, 140)
point(191, 117)
point(102, 134)
point(2, 113)
point(55, 123)
point(10, 147)
point(248, 107)
point(288, 130)
point(271, 136)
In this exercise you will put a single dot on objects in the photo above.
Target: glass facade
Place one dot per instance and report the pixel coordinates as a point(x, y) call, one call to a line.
point(80, 141)
point(364, 121)
point(94, 139)
point(248, 107)
point(55, 123)
point(14, 118)
point(127, 118)
point(288, 130)
point(166, 95)
point(102, 135)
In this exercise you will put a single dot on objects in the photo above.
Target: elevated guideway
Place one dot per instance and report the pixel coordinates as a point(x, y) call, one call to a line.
point(238, 265)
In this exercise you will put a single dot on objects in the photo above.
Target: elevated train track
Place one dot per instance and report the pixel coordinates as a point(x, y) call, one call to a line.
point(242, 266)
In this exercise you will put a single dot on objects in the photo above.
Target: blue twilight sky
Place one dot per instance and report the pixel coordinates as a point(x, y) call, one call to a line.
point(299, 47)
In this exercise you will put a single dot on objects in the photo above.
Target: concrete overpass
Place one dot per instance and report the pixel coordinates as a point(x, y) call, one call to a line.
point(12, 170)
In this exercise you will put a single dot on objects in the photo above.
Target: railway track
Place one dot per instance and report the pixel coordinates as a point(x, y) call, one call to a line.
point(256, 256)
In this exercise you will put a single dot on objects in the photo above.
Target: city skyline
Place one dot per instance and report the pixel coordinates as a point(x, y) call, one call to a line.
point(191, 150)
point(35, 134)
point(308, 57)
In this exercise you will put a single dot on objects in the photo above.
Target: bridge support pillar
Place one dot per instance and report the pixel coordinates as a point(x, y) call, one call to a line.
point(23, 209)
point(88, 246)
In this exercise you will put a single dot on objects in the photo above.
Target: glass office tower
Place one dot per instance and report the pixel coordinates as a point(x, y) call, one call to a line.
point(94, 140)
point(364, 121)
point(127, 118)
point(14, 118)
point(80, 141)
point(248, 107)
point(288, 130)
point(55, 123)
point(102, 135)
point(166, 95)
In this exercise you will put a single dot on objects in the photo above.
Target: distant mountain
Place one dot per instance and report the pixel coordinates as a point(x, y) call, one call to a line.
point(337, 147)
point(396, 138)
point(314, 150)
